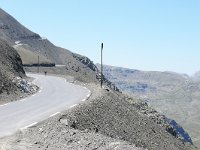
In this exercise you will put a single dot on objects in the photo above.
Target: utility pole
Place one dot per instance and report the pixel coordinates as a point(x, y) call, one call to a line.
point(38, 63)
point(101, 65)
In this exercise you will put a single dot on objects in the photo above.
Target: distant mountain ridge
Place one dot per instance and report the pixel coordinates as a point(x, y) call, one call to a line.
point(172, 94)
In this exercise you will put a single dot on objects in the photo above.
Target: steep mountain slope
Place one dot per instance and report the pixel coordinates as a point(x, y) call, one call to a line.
point(11, 72)
point(11, 30)
point(174, 95)
point(19, 36)
point(11, 66)
point(10, 60)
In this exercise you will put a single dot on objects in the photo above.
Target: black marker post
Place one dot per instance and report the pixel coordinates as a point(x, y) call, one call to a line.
point(101, 65)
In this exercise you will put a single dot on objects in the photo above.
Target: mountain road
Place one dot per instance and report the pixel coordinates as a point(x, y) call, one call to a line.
point(54, 96)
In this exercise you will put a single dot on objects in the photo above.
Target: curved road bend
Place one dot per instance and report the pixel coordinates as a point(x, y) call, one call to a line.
point(55, 95)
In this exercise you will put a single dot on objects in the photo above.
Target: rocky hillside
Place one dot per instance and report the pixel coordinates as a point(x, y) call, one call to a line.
point(12, 84)
point(10, 61)
point(20, 37)
point(174, 95)
point(11, 30)
point(11, 67)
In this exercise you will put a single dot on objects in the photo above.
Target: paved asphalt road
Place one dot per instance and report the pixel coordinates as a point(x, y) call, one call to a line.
point(55, 95)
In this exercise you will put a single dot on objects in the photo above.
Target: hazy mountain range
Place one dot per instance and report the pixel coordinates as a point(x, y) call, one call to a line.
point(175, 95)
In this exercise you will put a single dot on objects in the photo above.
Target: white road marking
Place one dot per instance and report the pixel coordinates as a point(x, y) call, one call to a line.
point(60, 65)
point(23, 99)
point(54, 114)
point(30, 125)
point(4, 104)
point(73, 106)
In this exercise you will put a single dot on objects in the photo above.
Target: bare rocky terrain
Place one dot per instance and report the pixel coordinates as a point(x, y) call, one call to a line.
point(13, 81)
point(107, 120)
point(172, 94)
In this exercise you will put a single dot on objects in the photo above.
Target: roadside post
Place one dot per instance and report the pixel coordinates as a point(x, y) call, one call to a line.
point(101, 65)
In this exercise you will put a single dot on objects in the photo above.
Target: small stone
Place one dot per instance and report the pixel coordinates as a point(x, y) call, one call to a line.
point(64, 121)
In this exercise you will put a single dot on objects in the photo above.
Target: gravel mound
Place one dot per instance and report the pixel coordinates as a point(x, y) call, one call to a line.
point(113, 115)
point(56, 136)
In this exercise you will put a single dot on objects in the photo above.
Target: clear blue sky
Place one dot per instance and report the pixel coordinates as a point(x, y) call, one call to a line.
point(159, 35)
